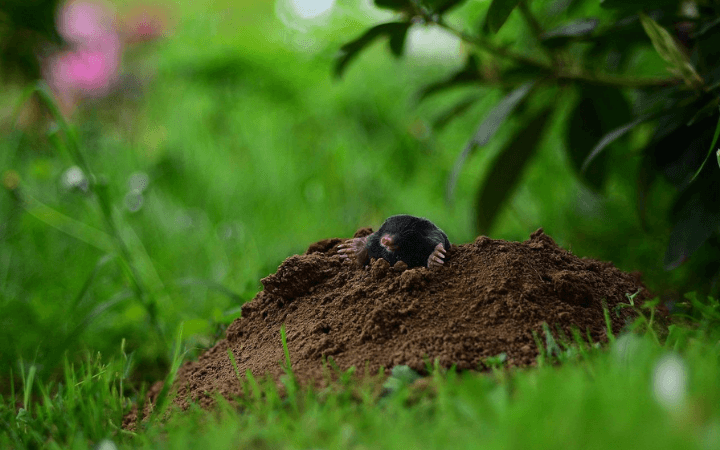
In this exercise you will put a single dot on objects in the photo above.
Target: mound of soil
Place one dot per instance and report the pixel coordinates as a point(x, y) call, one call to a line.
point(489, 298)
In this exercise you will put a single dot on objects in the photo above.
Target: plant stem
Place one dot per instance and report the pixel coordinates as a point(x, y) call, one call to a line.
point(102, 196)
point(486, 45)
point(530, 19)
point(536, 29)
point(558, 73)
point(615, 81)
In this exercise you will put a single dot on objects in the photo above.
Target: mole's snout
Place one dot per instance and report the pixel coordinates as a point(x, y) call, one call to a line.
point(388, 241)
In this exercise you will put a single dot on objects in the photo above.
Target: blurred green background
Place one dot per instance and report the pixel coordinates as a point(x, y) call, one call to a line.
point(228, 146)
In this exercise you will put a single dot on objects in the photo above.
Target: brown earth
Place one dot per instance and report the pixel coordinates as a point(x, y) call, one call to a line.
point(489, 298)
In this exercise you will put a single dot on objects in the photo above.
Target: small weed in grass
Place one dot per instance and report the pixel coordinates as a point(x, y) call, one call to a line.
point(86, 406)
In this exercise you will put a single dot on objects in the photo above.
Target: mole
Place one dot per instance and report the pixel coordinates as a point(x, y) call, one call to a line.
point(413, 240)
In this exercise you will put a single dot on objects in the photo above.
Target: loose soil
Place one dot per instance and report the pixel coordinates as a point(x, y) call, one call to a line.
point(489, 298)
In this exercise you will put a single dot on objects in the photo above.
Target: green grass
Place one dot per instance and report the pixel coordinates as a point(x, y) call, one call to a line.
point(252, 153)
point(636, 393)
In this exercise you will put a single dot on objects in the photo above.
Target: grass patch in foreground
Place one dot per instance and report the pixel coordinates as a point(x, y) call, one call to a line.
point(635, 393)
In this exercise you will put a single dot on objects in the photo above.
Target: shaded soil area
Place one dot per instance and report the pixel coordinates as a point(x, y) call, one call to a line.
point(489, 298)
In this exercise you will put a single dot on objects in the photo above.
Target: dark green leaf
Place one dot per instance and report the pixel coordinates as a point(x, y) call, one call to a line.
point(522, 74)
point(645, 178)
point(669, 124)
point(442, 6)
point(497, 116)
point(395, 30)
point(507, 169)
point(678, 153)
point(470, 74)
point(600, 111)
point(487, 129)
point(397, 39)
point(696, 216)
point(623, 36)
point(706, 27)
point(710, 152)
point(497, 14)
point(396, 5)
point(443, 119)
point(655, 99)
point(704, 111)
point(637, 5)
point(558, 6)
point(609, 138)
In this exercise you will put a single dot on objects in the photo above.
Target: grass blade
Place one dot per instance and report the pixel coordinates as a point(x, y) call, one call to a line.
point(210, 284)
point(162, 401)
point(68, 225)
point(27, 385)
point(102, 261)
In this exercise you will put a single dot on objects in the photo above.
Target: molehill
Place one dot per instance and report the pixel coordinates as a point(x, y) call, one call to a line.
point(488, 298)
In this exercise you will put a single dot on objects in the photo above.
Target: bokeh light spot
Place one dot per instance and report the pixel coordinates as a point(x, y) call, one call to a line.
point(299, 14)
point(670, 381)
point(432, 43)
point(74, 178)
point(138, 181)
point(134, 200)
point(308, 9)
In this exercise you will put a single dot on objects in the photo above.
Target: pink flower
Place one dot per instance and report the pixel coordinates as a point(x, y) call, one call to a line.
point(82, 21)
point(89, 71)
point(91, 66)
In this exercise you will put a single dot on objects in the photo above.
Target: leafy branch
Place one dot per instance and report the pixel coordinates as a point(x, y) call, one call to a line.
point(584, 56)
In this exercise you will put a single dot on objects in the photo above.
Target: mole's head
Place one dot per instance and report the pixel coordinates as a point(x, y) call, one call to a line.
point(410, 239)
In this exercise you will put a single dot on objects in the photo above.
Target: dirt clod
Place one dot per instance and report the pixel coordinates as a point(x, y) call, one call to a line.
point(489, 298)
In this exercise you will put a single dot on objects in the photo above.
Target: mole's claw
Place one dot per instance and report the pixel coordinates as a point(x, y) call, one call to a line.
point(351, 247)
point(437, 257)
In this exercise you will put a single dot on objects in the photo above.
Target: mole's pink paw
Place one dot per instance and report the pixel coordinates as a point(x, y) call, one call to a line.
point(437, 257)
point(351, 247)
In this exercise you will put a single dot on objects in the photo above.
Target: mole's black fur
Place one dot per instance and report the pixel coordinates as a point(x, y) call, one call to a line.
point(415, 239)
